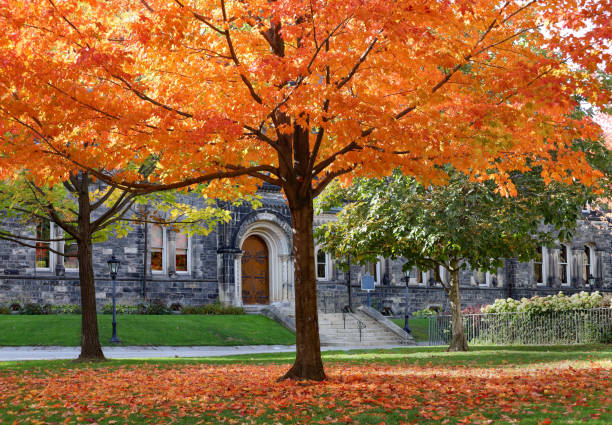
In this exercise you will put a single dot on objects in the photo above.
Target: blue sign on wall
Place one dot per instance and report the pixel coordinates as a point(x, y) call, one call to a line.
point(367, 283)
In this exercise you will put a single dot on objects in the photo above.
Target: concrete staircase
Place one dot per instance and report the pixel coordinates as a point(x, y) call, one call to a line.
point(363, 328)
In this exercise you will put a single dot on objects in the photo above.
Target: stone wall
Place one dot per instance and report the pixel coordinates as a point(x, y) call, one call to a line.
point(215, 261)
point(56, 290)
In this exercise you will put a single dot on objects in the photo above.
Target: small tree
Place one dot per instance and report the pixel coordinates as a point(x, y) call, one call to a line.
point(464, 222)
point(88, 213)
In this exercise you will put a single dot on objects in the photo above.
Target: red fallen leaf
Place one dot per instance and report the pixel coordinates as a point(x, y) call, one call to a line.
point(546, 421)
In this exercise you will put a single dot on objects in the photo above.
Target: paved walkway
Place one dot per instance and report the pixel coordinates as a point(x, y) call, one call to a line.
point(137, 352)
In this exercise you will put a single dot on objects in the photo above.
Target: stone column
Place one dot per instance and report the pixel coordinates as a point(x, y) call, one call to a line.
point(226, 275)
point(238, 279)
point(286, 276)
point(171, 252)
point(554, 279)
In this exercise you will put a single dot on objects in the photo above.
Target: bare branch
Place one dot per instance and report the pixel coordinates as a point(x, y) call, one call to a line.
point(362, 58)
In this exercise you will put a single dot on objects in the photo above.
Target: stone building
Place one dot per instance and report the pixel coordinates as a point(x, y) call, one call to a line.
point(249, 261)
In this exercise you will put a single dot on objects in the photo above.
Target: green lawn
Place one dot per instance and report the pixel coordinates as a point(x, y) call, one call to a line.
point(419, 328)
point(420, 385)
point(177, 330)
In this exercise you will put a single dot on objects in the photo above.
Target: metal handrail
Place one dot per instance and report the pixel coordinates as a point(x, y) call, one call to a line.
point(360, 324)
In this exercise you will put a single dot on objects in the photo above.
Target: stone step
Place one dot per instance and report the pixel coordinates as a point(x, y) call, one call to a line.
point(337, 329)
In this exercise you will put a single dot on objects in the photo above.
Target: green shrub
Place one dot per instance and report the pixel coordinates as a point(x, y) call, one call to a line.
point(121, 309)
point(65, 309)
point(426, 312)
point(552, 303)
point(157, 307)
point(214, 308)
point(5, 309)
point(32, 308)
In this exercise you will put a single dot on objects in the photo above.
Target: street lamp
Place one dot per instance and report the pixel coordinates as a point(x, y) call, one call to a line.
point(113, 268)
point(406, 312)
point(591, 281)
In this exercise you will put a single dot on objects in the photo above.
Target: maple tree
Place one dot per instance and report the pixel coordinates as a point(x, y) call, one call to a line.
point(298, 93)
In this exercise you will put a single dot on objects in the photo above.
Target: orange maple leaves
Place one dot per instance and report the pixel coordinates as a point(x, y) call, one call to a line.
point(241, 394)
point(207, 84)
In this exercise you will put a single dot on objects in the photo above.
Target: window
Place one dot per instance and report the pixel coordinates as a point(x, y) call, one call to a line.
point(183, 260)
point(373, 269)
point(417, 276)
point(43, 245)
point(564, 265)
point(71, 263)
point(588, 263)
point(481, 278)
point(539, 266)
point(321, 263)
point(158, 244)
point(444, 274)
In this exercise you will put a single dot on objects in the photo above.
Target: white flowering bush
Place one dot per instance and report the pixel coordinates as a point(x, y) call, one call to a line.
point(552, 303)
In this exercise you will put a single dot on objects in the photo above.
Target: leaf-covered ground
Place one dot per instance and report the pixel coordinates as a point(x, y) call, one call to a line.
point(576, 391)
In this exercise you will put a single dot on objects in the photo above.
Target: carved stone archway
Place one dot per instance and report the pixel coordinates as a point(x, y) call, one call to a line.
point(274, 232)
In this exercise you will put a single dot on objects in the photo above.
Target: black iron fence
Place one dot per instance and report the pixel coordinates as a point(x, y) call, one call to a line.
point(566, 327)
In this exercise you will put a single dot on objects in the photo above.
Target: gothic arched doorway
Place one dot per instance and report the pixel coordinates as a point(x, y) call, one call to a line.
point(255, 271)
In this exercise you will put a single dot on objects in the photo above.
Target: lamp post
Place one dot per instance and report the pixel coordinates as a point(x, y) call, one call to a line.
point(592, 281)
point(113, 267)
point(406, 312)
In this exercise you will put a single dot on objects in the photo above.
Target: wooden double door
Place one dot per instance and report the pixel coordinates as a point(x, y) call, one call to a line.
point(255, 271)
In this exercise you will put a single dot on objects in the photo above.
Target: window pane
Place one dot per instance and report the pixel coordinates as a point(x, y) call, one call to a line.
point(321, 265)
point(43, 255)
point(371, 269)
point(419, 276)
point(320, 256)
point(321, 271)
point(182, 241)
point(71, 262)
point(157, 262)
point(563, 255)
point(538, 270)
point(563, 264)
point(563, 274)
point(181, 260)
point(586, 261)
point(157, 236)
point(480, 277)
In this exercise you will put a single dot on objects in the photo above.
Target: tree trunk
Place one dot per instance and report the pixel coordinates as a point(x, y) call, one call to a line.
point(308, 363)
point(458, 340)
point(90, 339)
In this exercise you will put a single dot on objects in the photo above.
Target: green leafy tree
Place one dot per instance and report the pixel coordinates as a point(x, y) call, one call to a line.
point(460, 223)
point(87, 212)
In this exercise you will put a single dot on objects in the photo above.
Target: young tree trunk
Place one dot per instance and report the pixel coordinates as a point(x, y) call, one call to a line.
point(458, 341)
point(308, 363)
point(90, 339)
